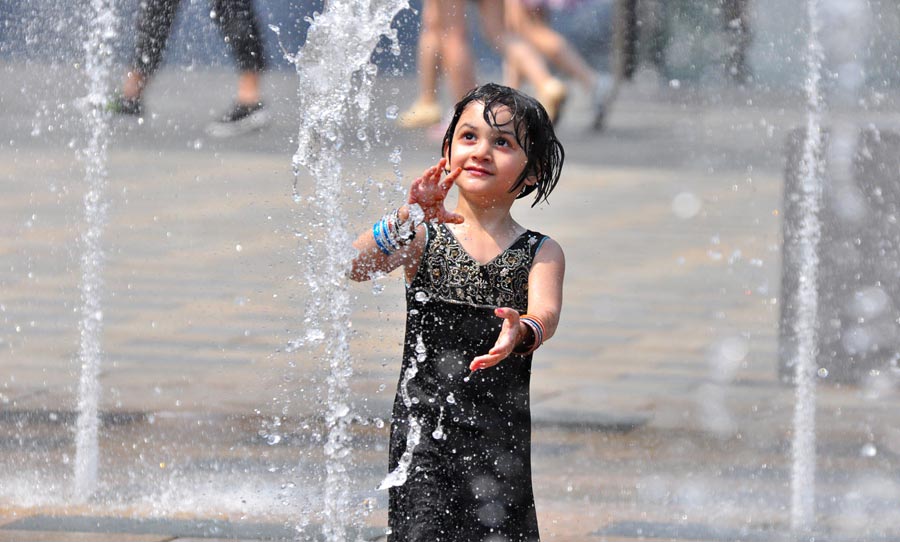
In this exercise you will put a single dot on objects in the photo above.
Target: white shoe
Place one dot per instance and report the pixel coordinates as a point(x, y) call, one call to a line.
point(240, 119)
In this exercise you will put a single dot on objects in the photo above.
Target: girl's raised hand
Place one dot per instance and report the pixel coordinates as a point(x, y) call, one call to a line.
point(510, 335)
point(430, 191)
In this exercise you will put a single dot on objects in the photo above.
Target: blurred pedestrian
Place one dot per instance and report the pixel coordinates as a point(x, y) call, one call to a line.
point(735, 15)
point(646, 23)
point(238, 23)
point(444, 42)
point(528, 18)
point(426, 110)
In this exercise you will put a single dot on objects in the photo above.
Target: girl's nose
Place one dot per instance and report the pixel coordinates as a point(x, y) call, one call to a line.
point(482, 150)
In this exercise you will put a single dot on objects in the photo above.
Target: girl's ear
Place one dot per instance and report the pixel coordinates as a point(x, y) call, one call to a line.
point(531, 180)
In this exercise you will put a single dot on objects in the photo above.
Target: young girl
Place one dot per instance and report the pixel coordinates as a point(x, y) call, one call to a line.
point(483, 293)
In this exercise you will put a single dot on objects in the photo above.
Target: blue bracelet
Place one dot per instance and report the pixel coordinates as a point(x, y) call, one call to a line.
point(376, 234)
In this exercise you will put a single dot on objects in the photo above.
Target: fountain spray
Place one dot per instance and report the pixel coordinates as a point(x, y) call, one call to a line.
point(100, 31)
point(803, 477)
point(336, 78)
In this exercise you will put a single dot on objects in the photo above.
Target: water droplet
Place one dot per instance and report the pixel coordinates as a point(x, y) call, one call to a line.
point(686, 205)
point(391, 112)
point(274, 28)
point(379, 423)
point(421, 296)
point(451, 399)
point(315, 335)
point(272, 440)
point(822, 372)
point(361, 134)
point(868, 450)
point(438, 434)
point(238, 248)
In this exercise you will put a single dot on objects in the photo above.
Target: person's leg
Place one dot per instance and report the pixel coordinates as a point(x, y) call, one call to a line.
point(248, 87)
point(521, 56)
point(654, 33)
point(237, 21)
point(455, 50)
point(737, 28)
point(425, 111)
point(624, 51)
point(531, 25)
point(429, 57)
point(154, 24)
point(512, 15)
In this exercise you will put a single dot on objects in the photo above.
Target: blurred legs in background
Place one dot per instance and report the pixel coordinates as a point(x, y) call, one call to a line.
point(530, 22)
point(643, 26)
point(444, 43)
point(237, 21)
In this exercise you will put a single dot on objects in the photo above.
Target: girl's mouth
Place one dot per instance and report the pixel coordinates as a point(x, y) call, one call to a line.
point(477, 171)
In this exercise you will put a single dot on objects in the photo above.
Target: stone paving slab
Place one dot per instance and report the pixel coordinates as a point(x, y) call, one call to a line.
point(70, 536)
point(153, 529)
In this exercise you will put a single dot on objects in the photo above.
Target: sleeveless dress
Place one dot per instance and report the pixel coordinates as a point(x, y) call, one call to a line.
point(468, 476)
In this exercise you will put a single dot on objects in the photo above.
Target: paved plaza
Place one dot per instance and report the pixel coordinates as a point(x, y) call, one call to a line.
point(658, 412)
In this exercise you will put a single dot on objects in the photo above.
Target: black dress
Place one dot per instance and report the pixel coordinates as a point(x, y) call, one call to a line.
point(468, 478)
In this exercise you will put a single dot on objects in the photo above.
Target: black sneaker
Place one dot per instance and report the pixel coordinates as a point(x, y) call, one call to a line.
point(241, 119)
point(120, 105)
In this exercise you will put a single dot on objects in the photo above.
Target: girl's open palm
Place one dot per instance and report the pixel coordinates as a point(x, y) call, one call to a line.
point(430, 191)
point(506, 341)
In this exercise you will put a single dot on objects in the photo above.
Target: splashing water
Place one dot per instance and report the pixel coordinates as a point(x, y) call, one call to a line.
point(438, 432)
point(397, 477)
point(804, 442)
point(98, 57)
point(336, 79)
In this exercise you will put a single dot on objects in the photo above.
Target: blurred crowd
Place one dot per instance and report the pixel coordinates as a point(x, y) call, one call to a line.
point(521, 32)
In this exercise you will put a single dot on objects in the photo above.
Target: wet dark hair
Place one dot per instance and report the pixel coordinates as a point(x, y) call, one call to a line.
point(533, 130)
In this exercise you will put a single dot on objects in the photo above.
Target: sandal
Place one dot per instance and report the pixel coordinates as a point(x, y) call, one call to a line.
point(420, 115)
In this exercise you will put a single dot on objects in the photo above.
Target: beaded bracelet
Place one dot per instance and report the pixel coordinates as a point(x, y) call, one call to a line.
point(537, 329)
point(391, 234)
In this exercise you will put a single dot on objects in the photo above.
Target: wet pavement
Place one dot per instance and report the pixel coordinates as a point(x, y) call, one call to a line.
point(657, 407)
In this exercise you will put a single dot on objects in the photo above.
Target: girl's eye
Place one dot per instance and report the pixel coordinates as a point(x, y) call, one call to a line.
point(468, 136)
point(502, 142)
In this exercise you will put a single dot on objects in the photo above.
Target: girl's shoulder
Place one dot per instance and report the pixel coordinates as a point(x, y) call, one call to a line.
point(546, 248)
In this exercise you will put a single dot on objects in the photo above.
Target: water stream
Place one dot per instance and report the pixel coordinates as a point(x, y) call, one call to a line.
point(101, 29)
point(336, 78)
point(803, 476)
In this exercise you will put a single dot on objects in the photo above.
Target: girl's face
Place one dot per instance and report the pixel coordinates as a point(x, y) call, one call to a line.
point(491, 159)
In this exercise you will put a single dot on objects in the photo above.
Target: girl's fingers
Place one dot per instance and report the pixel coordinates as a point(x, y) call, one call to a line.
point(448, 181)
point(483, 362)
point(454, 218)
point(507, 313)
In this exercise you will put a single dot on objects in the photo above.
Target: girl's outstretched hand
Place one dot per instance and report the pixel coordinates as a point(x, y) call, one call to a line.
point(430, 191)
point(510, 335)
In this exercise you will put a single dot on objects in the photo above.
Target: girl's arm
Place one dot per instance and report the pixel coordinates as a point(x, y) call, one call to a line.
point(544, 302)
point(428, 191)
point(370, 261)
